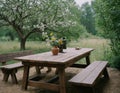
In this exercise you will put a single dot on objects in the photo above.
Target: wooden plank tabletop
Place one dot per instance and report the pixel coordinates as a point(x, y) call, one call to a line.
point(62, 58)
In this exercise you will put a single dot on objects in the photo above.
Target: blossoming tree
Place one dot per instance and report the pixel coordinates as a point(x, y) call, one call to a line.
point(30, 16)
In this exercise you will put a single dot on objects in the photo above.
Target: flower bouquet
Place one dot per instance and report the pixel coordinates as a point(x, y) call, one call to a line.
point(60, 43)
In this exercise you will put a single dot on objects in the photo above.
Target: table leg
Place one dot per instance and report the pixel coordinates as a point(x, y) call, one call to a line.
point(38, 69)
point(25, 77)
point(62, 83)
point(88, 60)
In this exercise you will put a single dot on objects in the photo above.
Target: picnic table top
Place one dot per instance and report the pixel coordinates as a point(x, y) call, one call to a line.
point(47, 57)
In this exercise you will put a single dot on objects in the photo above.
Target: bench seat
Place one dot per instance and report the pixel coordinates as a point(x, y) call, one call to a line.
point(12, 66)
point(11, 69)
point(89, 76)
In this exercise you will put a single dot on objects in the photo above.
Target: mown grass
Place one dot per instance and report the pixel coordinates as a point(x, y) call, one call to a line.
point(101, 47)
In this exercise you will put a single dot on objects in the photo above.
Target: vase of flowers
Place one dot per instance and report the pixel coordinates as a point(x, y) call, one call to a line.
point(55, 50)
point(54, 43)
point(59, 43)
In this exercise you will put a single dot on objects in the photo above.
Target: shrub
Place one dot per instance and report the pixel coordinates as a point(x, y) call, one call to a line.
point(116, 62)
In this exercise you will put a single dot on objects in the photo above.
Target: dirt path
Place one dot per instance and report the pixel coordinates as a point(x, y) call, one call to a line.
point(111, 86)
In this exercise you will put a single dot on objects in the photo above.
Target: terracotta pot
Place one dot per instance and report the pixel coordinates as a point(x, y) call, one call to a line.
point(55, 50)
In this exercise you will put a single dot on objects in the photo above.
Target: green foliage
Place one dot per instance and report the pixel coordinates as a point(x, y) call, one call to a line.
point(116, 62)
point(7, 33)
point(87, 18)
point(108, 13)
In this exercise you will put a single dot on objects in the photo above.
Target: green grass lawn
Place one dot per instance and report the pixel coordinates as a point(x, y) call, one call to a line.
point(101, 47)
point(11, 46)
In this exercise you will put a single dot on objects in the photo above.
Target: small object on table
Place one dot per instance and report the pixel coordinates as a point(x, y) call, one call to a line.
point(77, 48)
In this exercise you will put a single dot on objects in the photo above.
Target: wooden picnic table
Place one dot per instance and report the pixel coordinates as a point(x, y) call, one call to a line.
point(60, 62)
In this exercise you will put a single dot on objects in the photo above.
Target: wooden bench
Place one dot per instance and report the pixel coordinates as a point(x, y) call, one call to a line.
point(11, 69)
point(89, 76)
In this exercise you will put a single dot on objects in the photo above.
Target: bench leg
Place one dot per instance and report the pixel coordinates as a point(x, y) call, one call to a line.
point(5, 77)
point(14, 78)
point(11, 72)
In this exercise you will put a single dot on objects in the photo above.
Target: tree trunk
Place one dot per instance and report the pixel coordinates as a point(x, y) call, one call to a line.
point(22, 44)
